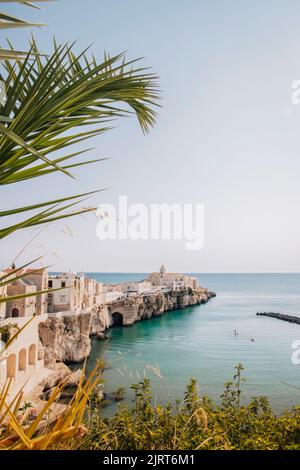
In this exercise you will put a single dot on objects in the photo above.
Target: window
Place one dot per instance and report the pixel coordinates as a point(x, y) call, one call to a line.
point(11, 366)
point(15, 312)
point(63, 284)
point(32, 354)
point(50, 283)
point(22, 359)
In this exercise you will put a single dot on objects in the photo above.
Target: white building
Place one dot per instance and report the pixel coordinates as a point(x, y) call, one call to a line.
point(26, 307)
point(113, 292)
point(34, 280)
point(39, 277)
point(70, 296)
point(174, 281)
point(89, 296)
point(137, 288)
point(3, 294)
point(100, 298)
point(22, 362)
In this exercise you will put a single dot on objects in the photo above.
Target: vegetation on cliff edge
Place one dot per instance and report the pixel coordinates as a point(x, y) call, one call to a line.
point(196, 423)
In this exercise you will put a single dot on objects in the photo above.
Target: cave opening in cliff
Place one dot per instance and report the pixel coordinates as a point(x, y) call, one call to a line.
point(117, 319)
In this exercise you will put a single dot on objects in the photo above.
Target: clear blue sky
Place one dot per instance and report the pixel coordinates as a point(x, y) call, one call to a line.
point(227, 135)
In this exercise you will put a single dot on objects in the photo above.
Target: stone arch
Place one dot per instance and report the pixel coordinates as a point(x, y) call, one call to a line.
point(11, 366)
point(117, 319)
point(15, 313)
point(22, 359)
point(32, 354)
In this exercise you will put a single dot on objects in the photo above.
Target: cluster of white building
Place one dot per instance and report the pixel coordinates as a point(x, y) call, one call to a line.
point(76, 293)
point(51, 295)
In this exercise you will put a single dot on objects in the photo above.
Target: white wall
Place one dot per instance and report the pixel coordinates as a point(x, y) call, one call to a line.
point(28, 341)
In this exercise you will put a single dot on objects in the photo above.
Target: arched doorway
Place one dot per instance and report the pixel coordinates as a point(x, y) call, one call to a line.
point(11, 366)
point(32, 354)
point(22, 359)
point(117, 319)
point(15, 313)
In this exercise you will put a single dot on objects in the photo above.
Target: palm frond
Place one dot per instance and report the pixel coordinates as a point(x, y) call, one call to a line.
point(47, 215)
point(43, 204)
point(15, 271)
point(51, 101)
point(4, 300)
point(21, 276)
point(8, 21)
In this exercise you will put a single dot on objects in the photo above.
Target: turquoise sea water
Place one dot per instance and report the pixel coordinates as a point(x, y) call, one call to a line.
point(199, 341)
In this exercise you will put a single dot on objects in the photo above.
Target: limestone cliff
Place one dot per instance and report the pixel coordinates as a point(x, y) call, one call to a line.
point(139, 308)
point(67, 338)
point(100, 320)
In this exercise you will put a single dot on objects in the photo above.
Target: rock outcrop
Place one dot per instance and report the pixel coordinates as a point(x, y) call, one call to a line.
point(100, 320)
point(62, 375)
point(65, 339)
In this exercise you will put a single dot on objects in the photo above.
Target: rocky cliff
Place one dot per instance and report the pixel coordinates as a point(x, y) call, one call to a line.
point(67, 338)
point(100, 320)
point(139, 308)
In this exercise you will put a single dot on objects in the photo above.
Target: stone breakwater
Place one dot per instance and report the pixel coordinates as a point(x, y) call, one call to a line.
point(280, 316)
point(67, 338)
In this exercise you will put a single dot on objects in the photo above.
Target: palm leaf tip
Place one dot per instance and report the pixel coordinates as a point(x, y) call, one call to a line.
point(7, 21)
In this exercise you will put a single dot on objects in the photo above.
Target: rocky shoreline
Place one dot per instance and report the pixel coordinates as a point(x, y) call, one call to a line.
point(67, 338)
point(280, 316)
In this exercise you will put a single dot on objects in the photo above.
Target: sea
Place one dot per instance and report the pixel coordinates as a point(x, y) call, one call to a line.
point(200, 342)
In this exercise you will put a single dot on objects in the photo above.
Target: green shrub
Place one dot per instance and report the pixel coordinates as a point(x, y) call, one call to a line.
point(7, 331)
point(196, 423)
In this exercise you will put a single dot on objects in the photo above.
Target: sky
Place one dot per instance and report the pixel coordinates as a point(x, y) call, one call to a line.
point(227, 135)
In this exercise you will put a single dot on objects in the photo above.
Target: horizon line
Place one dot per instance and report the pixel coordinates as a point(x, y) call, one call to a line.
point(183, 272)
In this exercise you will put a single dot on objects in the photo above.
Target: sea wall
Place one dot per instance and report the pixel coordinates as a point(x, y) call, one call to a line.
point(67, 338)
point(280, 316)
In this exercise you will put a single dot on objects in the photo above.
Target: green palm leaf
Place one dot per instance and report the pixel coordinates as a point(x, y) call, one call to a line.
point(59, 94)
point(11, 298)
point(8, 22)
point(15, 271)
point(57, 102)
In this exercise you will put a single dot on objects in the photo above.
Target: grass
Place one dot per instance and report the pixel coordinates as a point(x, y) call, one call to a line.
point(194, 423)
point(46, 430)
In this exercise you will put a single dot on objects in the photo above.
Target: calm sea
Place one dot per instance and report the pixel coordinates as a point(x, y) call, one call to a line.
point(199, 341)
